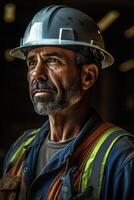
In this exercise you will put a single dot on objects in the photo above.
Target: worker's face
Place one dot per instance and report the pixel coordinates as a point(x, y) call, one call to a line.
point(54, 79)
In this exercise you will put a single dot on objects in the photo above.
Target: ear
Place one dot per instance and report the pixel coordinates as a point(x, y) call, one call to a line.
point(89, 75)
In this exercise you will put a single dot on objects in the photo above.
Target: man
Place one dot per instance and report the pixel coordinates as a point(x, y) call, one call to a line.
point(75, 154)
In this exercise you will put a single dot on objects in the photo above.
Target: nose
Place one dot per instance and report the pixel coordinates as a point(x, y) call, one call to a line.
point(40, 71)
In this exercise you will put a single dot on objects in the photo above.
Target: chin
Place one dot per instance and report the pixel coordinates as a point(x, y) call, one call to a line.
point(41, 109)
point(47, 109)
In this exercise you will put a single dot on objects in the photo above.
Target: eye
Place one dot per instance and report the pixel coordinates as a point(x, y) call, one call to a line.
point(54, 62)
point(31, 63)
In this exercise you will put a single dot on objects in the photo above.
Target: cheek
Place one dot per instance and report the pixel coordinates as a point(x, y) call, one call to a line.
point(68, 78)
point(61, 80)
point(56, 79)
point(29, 79)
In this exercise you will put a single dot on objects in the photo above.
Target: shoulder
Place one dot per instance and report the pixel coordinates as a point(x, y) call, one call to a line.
point(119, 170)
point(26, 139)
point(18, 144)
point(121, 153)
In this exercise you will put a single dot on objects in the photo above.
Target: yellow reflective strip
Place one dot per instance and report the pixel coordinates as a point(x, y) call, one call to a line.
point(18, 153)
point(31, 137)
point(105, 159)
point(21, 148)
point(88, 167)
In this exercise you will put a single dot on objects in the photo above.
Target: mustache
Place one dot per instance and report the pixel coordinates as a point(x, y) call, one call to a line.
point(41, 85)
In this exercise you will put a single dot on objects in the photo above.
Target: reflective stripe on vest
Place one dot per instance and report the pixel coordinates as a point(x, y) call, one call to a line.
point(20, 151)
point(93, 171)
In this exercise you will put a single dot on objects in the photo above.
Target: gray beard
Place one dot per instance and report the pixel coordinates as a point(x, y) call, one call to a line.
point(46, 105)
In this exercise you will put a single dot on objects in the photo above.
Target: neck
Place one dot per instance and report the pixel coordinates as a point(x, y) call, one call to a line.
point(67, 123)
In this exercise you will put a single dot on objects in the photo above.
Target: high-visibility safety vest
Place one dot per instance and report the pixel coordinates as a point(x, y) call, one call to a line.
point(92, 165)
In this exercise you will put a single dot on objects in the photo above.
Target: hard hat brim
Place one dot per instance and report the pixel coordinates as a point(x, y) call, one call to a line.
point(18, 52)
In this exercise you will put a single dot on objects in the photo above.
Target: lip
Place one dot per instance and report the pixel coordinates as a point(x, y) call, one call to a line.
point(41, 92)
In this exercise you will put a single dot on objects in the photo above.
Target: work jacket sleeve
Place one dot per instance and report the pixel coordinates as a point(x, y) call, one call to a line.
point(123, 186)
point(5, 160)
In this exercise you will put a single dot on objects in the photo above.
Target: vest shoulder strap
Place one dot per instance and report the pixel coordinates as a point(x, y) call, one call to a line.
point(93, 171)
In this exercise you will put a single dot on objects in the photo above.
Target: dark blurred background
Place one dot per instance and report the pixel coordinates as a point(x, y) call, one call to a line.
point(114, 97)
